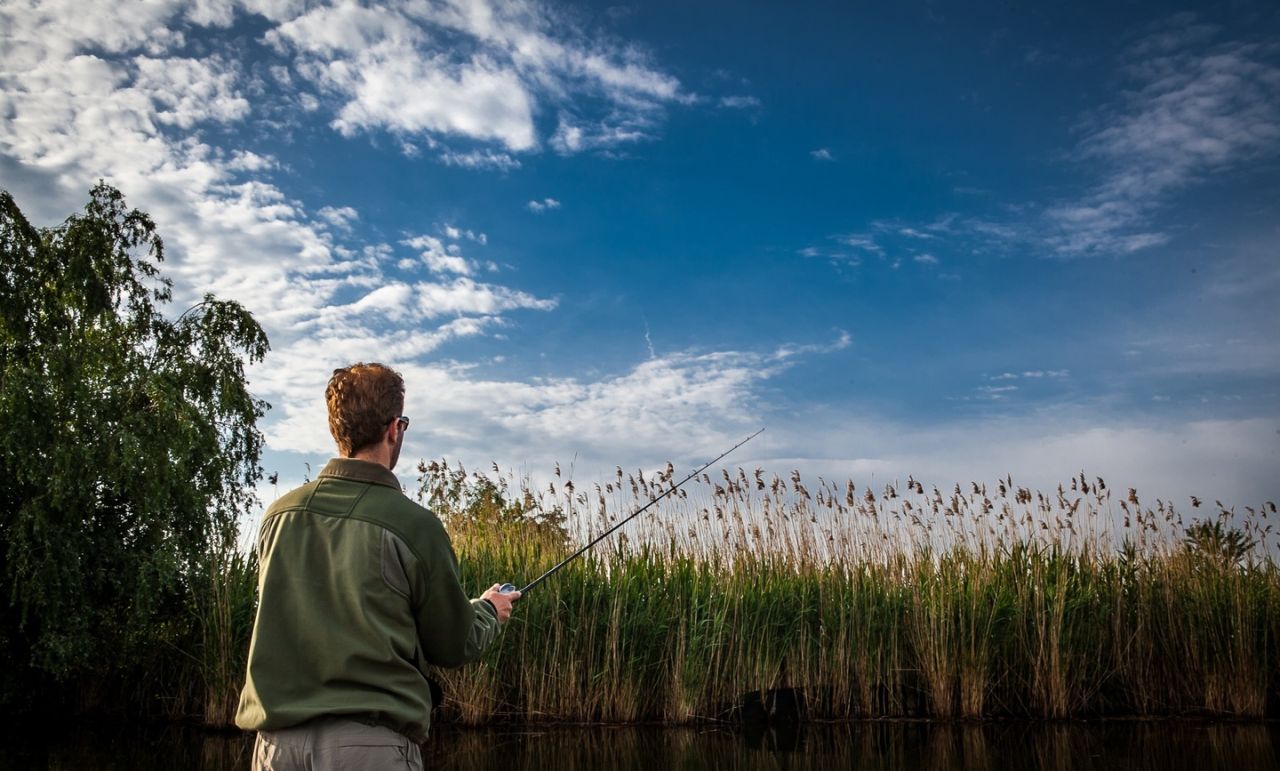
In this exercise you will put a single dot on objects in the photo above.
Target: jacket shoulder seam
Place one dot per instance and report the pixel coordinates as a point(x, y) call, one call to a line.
point(356, 517)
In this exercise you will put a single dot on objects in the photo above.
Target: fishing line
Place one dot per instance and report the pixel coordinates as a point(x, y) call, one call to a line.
point(507, 588)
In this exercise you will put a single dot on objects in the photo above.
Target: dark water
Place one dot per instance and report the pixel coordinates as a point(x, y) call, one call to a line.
point(887, 746)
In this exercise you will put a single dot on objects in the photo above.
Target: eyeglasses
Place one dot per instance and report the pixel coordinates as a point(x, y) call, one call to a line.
point(403, 420)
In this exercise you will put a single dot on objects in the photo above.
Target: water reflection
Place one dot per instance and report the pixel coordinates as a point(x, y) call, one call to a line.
point(875, 746)
point(121, 747)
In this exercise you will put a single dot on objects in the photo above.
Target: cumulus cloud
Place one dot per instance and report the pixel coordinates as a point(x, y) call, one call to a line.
point(340, 217)
point(444, 255)
point(391, 87)
point(188, 91)
point(822, 154)
point(546, 204)
point(102, 94)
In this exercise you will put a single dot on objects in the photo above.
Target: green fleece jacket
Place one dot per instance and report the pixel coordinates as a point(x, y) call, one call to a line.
point(358, 592)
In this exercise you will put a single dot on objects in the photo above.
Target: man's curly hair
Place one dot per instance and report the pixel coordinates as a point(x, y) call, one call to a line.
point(362, 399)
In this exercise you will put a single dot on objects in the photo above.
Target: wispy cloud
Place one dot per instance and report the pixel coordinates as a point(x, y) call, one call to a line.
point(822, 154)
point(1195, 109)
point(886, 243)
point(996, 392)
point(1034, 374)
point(861, 241)
point(480, 159)
point(574, 134)
point(739, 102)
point(703, 397)
point(1192, 109)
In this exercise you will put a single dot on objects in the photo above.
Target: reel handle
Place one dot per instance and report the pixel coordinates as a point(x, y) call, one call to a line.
point(507, 588)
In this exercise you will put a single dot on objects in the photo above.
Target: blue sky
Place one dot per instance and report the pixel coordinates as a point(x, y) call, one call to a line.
point(936, 240)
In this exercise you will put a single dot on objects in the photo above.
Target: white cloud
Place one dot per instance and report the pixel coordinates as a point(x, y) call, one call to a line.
point(822, 154)
point(739, 102)
point(863, 242)
point(189, 91)
point(87, 95)
point(699, 396)
point(546, 204)
point(1034, 374)
point(1176, 32)
point(573, 135)
point(248, 161)
point(465, 296)
point(1171, 460)
point(457, 234)
point(504, 63)
point(392, 87)
point(1195, 110)
point(713, 400)
point(343, 28)
point(440, 257)
point(1192, 110)
point(926, 259)
point(997, 389)
point(340, 217)
point(480, 159)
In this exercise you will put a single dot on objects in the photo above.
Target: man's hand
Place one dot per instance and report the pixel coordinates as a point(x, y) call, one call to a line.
point(501, 602)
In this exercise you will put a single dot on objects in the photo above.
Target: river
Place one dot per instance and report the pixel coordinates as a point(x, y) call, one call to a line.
point(875, 746)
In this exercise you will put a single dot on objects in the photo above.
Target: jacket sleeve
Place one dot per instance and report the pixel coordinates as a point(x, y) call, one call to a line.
point(453, 629)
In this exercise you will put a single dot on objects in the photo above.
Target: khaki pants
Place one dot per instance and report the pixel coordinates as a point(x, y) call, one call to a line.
point(335, 744)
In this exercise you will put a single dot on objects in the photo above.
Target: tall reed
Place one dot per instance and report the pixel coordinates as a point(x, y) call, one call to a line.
point(897, 602)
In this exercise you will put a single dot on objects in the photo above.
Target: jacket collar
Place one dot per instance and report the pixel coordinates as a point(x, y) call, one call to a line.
point(360, 471)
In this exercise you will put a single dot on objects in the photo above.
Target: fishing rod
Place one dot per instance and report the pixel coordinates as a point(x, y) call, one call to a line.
point(507, 588)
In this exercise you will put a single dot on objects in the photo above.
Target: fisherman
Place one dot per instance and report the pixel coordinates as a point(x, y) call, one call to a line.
point(358, 592)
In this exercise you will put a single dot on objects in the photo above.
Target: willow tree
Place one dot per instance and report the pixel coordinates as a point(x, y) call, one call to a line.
point(129, 442)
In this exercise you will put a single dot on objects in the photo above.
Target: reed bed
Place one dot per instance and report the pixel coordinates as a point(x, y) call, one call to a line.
point(747, 589)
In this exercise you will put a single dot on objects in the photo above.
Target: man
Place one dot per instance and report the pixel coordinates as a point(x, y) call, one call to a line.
point(357, 593)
